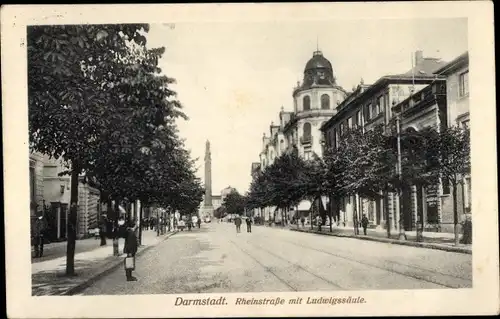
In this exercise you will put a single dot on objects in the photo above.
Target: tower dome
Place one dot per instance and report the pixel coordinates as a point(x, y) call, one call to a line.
point(318, 61)
point(318, 71)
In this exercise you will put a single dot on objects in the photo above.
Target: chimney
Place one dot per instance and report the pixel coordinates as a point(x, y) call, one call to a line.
point(419, 57)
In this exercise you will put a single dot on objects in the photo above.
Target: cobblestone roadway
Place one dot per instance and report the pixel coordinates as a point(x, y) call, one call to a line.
point(216, 259)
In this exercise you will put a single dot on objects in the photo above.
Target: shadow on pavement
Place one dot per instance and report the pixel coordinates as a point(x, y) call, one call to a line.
point(55, 282)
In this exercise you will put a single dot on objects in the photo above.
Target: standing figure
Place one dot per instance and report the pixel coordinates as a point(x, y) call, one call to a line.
point(249, 225)
point(130, 249)
point(102, 230)
point(37, 237)
point(302, 221)
point(364, 223)
point(237, 222)
point(320, 222)
point(198, 222)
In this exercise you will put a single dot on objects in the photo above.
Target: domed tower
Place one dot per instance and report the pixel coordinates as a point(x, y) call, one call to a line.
point(318, 70)
point(315, 101)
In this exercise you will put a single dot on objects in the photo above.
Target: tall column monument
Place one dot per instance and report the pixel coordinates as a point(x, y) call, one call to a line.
point(207, 202)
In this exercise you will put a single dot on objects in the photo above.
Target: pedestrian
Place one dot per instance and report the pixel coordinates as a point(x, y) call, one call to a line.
point(198, 222)
point(38, 231)
point(249, 225)
point(237, 222)
point(102, 230)
point(364, 223)
point(302, 221)
point(130, 249)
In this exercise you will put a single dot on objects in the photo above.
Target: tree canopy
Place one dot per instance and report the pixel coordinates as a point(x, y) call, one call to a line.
point(234, 203)
point(99, 101)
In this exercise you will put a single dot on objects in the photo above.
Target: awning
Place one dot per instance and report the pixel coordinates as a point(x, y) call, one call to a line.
point(304, 205)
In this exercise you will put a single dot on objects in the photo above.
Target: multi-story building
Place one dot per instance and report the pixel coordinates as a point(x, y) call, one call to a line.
point(457, 113)
point(36, 182)
point(315, 100)
point(51, 191)
point(367, 107)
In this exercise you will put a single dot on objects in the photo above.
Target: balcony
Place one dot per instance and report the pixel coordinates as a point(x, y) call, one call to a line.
point(306, 140)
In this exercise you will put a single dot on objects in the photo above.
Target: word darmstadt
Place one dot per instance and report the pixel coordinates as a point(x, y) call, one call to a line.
point(201, 301)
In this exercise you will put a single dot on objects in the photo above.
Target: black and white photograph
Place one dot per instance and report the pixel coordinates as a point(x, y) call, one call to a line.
point(267, 166)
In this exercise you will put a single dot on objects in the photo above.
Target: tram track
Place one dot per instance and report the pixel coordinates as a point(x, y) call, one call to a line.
point(413, 276)
point(334, 285)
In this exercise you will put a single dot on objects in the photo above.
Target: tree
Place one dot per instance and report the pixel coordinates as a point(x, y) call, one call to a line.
point(452, 161)
point(69, 69)
point(335, 182)
point(234, 203)
point(258, 196)
point(314, 180)
point(286, 181)
point(220, 212)
point(363, 164)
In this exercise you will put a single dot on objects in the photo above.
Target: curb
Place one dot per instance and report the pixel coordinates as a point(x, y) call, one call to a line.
point(82, 286)
point(393, 241)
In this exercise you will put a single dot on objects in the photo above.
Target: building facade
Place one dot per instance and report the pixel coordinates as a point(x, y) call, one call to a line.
point(51, 193)
point(315, 100)
point(36, 162)
point(457, 114)
point(421, 99)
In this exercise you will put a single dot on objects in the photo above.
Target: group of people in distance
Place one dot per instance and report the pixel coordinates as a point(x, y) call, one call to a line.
point(238, 222)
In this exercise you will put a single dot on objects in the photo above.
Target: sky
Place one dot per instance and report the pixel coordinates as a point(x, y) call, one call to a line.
point(233, 78)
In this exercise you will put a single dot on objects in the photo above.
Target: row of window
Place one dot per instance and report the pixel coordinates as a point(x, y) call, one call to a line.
point(325, 102)
point(370, 111)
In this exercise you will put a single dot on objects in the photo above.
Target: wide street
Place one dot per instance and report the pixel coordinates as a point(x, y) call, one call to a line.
point(217, 259)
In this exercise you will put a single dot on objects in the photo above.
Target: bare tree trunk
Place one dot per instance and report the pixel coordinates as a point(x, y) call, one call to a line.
point(140, 224)
point(330, 212)
point(355, 216)
point(455, 213)
point(400, 212)
point(387, 213)
point(115, 228)
point(311, 215)
point(72, 221)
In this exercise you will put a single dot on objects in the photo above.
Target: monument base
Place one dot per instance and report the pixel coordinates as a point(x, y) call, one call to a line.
point(207, 212)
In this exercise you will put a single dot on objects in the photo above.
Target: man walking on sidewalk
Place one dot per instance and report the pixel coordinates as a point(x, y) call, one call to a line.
point(237, 222)
point(130, 249)
point(38, 230)
point(102, 229)
point(249, 225)
point(364, 223)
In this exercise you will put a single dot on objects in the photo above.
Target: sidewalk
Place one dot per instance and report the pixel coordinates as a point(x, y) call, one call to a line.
point(58, 249)
point(432, 240)
point(48, 277)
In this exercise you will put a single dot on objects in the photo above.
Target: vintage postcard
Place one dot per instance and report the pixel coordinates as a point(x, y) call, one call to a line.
point(228, 160)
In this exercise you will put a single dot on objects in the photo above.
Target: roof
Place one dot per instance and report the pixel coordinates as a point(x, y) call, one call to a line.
point(458, 62)
point(426, 67)
point(380, 83)
point(318, 61)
